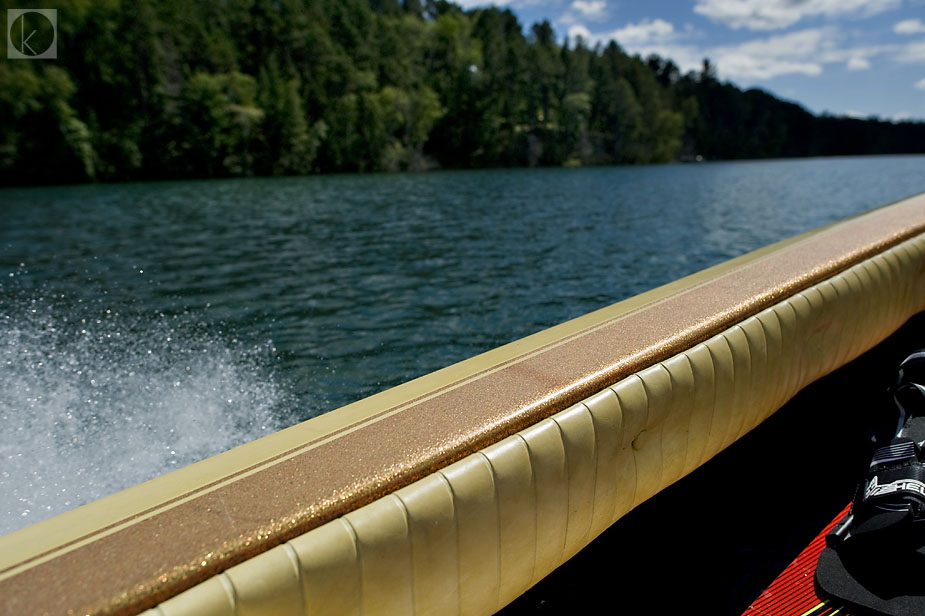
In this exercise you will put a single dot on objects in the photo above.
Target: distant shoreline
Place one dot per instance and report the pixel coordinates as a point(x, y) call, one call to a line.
point(321, 174)
point(191, 90)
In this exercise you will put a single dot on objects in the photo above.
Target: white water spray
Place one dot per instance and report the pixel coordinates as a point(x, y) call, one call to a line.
point(90, 406)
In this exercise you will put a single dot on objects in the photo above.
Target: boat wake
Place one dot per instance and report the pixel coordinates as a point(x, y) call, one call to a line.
point(95, 404)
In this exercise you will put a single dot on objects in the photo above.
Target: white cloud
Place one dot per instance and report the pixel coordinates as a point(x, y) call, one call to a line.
point(801, 43)
point(902, 116)
point(472, 4)
point(853, 113)
point(630, 36)
point(909, 26)
point(855, 57)
point(579, 30)
point(796, 52)
point(752, 67)
point(803, 52)
point(592, 9)
point(920, 84)
point(686, 57)
point(646, 31)
point(759, 59)
point(776, 14)
point(913, 52)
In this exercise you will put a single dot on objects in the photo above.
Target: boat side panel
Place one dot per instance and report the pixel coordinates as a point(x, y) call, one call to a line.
point(600, 457)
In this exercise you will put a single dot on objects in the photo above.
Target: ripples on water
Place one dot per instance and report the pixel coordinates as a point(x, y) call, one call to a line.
point(145, 326)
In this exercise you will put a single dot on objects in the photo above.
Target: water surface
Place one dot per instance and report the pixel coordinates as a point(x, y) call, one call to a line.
point(145, 326)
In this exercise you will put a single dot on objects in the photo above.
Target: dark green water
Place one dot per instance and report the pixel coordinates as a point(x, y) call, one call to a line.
point(144, 326)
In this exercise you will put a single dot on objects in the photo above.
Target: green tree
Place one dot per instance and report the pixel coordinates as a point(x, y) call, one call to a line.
point(44, 140)
point(289, 143)
point(191, 88)
point(219, 121)
point(546, 75)
point(409, 117)
point(453, 57)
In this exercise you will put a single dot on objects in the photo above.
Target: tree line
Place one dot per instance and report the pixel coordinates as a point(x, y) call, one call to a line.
point(180, 89)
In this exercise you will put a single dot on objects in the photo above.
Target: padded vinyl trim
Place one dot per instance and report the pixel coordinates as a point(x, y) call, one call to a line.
point(133, 549)
point(471, 537)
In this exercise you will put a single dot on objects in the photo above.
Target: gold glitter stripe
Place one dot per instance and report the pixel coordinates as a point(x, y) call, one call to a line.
point(474, 535)
point(229, 508)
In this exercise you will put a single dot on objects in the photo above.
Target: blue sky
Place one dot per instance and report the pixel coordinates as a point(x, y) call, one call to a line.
point(847, 57)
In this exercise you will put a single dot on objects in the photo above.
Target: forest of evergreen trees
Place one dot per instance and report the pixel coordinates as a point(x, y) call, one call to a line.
point(179, 89)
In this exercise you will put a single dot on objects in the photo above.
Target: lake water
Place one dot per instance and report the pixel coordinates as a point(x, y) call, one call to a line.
point(145, 326)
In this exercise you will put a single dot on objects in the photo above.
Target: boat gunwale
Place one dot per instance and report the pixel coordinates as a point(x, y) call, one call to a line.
point(865, 234)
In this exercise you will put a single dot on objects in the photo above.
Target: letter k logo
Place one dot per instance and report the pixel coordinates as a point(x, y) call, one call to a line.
point(32, 34)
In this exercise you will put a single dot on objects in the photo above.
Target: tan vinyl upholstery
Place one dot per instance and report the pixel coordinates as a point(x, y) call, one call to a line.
point(456, 491)
point(470, 537)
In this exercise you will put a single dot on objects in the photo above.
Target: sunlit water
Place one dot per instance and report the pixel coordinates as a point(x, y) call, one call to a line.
point(146, 326)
